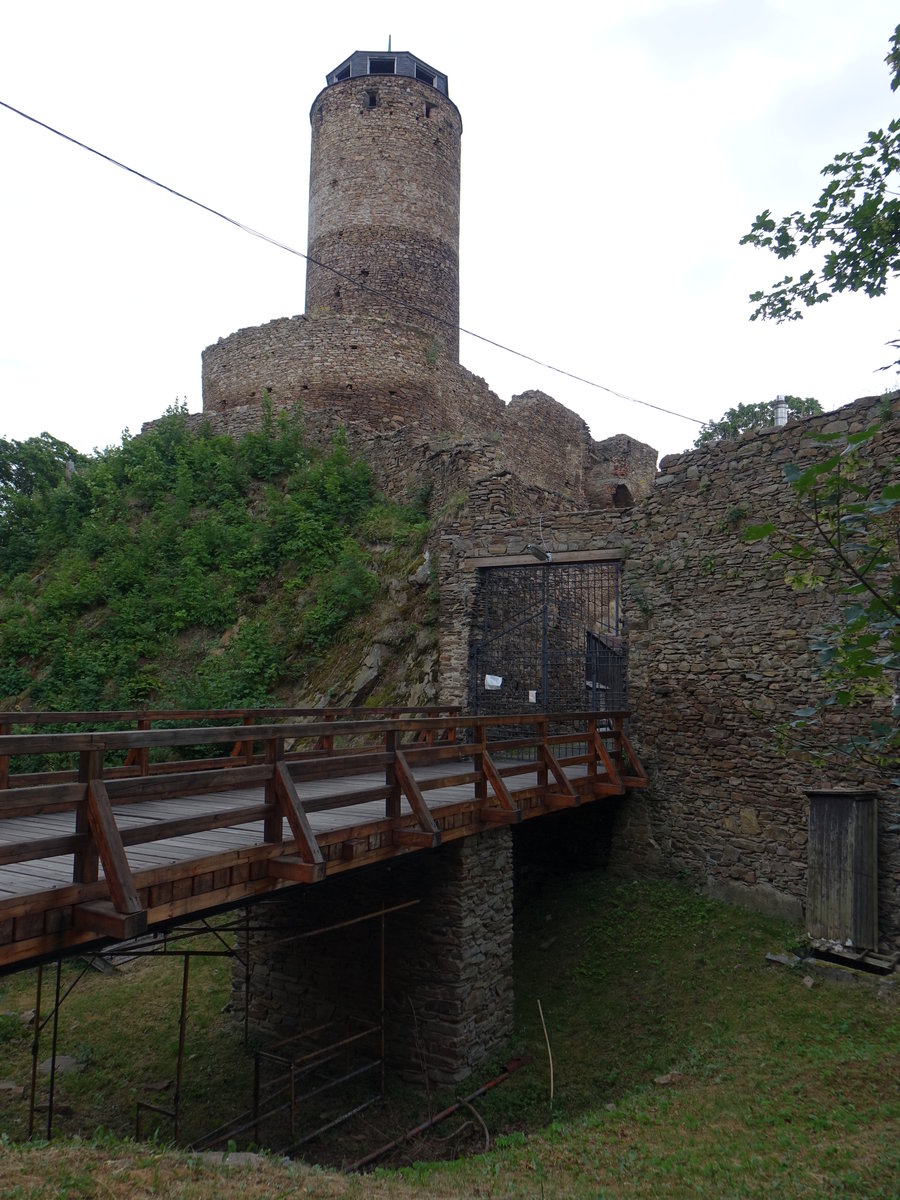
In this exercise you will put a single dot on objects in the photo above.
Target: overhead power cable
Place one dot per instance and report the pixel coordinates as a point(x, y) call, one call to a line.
point(265, 237)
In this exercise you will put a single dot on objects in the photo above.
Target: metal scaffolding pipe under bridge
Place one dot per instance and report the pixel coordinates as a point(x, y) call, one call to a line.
point(126, 826)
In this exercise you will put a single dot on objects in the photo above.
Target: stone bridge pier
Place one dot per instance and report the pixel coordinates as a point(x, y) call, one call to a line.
point(447, 965)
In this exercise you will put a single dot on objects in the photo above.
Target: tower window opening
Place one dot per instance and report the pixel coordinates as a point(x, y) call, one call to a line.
point(372, 99)
point(343, 73)
point(428, 109)
point(424, 76)
point(383, 66)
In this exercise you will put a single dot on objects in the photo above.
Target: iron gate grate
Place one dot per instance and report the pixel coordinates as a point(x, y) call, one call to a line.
point(551, 638)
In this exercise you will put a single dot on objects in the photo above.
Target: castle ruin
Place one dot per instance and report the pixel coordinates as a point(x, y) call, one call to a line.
point(377, 349)
point(718, 641)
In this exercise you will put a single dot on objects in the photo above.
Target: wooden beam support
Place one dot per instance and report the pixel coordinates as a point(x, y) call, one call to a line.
point(119, 879)
point(103, 919)
point(20, 852)
point(413, 793)
point(292, 807)
point(500, 816)
point(392, 783)
point(273, 825)
point(609, 766)
point(557, 800)
point(5, 728)
point(416, 839)
point(296, 869)
point(86, 866)
point(562, 780)
point(354, 848)
point(509, 810)
point(145, 835)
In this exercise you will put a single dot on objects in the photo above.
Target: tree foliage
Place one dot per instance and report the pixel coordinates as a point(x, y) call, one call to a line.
point(855, 223)
point(36, 464)
point(754, 416)
point(849, 539)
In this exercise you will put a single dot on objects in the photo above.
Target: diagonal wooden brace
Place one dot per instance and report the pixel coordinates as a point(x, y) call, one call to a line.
point(507, 812)
point(613, 786)
point(565, 795)
point(126, 916)
point(428, 833)
point(288, 799)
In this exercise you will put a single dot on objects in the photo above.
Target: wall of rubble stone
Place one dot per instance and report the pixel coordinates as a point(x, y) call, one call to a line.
point(448, 959)
point(362, 370)
point(719, 660)
point(419, 421)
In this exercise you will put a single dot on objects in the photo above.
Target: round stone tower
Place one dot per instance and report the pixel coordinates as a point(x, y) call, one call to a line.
point(384, 195)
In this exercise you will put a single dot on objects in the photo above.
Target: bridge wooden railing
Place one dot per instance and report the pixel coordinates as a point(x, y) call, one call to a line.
point(520, 771)
point(137, 758)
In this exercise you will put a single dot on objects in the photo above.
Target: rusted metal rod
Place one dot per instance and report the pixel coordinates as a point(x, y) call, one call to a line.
point(53, 1052)
point(435, 1120)
point(35, 1049)
point(182, 1025)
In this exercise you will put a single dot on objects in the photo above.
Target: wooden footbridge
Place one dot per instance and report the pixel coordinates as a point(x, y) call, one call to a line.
point(140, 819)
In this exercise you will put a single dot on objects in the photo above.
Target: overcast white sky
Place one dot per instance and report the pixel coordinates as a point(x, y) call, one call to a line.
point(613, 155)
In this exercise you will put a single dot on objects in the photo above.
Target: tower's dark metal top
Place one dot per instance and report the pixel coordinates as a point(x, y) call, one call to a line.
point(387, 62)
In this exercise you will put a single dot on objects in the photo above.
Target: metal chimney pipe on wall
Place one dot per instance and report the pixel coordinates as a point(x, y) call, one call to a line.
point(781, 410)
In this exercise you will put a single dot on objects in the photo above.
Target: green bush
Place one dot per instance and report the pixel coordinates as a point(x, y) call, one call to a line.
point(181, 566)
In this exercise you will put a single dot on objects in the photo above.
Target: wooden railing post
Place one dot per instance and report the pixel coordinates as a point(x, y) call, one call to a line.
point(273, 825)
point(392, 802)
point(479, 738)
point(248, 746)
point(5, 727)
point(592, 746)
point(144, 751)
point(87, 856)
point(326, 741)
point(617, 755)
point(139, 756)
point(542, 778)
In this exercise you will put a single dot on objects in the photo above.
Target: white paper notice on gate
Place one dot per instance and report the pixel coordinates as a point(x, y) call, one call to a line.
point(532, 696)
point(493, 683)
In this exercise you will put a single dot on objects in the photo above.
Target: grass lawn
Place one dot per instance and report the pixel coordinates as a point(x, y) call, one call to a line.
point(684, 1066)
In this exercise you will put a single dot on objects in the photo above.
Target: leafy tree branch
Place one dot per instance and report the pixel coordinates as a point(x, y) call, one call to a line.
point(855, 223)
point(754, 416)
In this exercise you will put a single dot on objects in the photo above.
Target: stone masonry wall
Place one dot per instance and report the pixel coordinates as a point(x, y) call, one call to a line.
point(448, 960)
point(719, 660)
point(364, 371)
